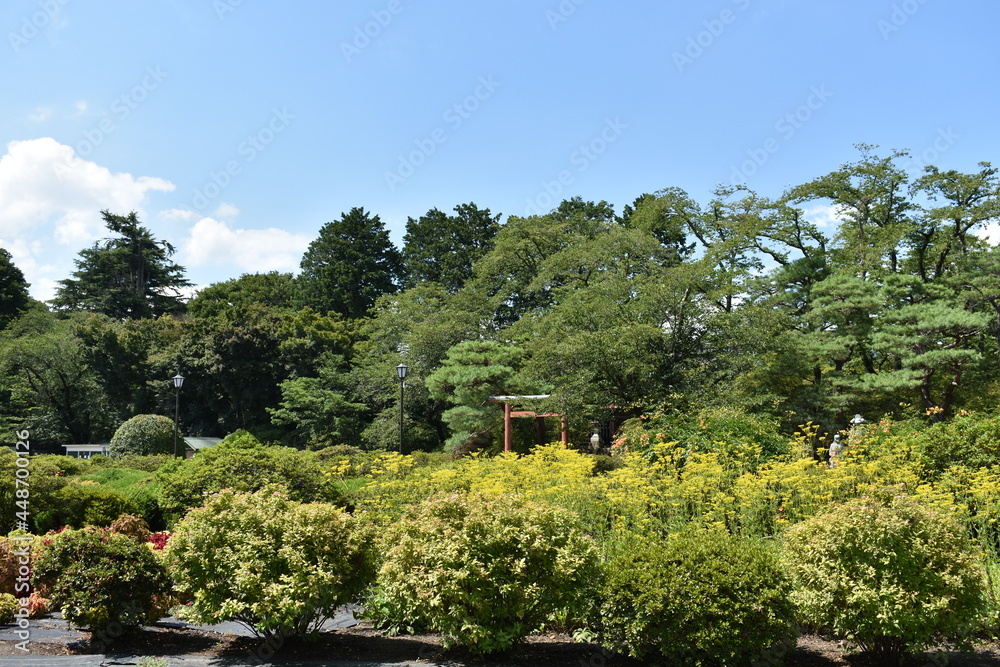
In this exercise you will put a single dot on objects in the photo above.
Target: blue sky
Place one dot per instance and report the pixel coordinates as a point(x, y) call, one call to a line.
point(237, 128)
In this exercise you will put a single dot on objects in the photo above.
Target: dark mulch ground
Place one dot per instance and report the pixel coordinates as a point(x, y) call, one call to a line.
point(366, 644)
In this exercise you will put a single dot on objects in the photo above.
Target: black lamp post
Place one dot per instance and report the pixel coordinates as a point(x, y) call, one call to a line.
point(401, 374)
point(178, 383)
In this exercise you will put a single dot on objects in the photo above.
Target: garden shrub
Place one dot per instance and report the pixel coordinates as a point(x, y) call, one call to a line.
point(242, 463)
point(143, 435)
point(696, 598)
point(9, 606)
point(8, 564)
point(131, 525)
point(483, 571)
point(46, 479)
point(101, 580)
point(887, 574)
point(721, 430)
point(145, 463)
point(279, 567)
point(85, 504)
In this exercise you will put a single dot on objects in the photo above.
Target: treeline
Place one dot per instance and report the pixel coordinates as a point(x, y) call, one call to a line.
point(746, 301)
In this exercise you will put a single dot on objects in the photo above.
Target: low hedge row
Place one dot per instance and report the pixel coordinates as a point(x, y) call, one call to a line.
point(487, 571)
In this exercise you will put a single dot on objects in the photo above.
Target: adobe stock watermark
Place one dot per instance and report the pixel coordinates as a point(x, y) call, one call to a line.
point(703, 40)
point(901, 14)
point(121, 108)
point(585, 155)
point(22, 544)
point(943, 141)
point(455, 116)
point(48, 10)
point(364, 34)
point(247, 151)
point(786, 127)
point(562, 13)
point(223, 7)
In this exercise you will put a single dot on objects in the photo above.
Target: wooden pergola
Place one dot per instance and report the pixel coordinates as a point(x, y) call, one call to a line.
point(509, 414)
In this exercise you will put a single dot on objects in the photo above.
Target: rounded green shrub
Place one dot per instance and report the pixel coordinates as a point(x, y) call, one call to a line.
point(697, 598)
point(279, 567)
point(889, 575)
point(143, 435)
point(483, 571)
point(101, 580)
point(242, 463)
point(85, 504)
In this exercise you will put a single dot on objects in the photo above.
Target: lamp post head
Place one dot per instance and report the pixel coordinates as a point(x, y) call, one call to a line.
point(178, 381)
point(401, 371)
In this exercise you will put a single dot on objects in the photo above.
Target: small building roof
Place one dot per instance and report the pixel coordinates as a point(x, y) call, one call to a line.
point(198, 444)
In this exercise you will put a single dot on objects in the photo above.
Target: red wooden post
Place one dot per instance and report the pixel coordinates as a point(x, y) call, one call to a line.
point(506, 428)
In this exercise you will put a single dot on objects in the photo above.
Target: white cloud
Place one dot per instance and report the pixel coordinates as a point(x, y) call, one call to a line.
point(40, 115)
point(227, 211)
point(81, 107)
point(990, 233)
point(50, 204)
point(180, 214)
point(215, 243)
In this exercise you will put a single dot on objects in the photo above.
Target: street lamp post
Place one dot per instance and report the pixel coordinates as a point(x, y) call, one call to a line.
point(178, 383)
point(401, 374)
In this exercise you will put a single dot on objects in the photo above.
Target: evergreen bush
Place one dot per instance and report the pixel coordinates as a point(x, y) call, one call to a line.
point(483, 571)
point(697, 598)
point(101, 580)
point(887, 574)
point(279, 567)
point(143, 435)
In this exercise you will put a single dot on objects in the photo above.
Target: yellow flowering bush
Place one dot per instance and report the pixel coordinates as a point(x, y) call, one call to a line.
point(279, 567)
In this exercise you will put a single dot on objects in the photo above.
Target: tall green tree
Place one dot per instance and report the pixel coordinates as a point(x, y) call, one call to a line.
point(14, 298)
point(50, 386)
point(472, 372)
point(350, 265)
point(127, 276)
point(443, 248)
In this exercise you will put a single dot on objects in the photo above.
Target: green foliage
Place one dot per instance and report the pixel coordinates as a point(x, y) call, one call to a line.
point(9, 606)
point(242, 463)
point(14, 297)
point(45, 480)
point(887, 574)
point(316, 410)
point(47, 375)
point(279, 567)
point(146, 463)
point(85, 504)
point(697, 598)
point(273, 290)
point(442, 248)
point(485, 572)
point(720, 430)
point(143, 435)
point(472, 372)
point(101, 580)
point(350, 264)
point(129, 276)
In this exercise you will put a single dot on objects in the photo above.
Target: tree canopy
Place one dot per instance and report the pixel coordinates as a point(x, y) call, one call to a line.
point(127, 276)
